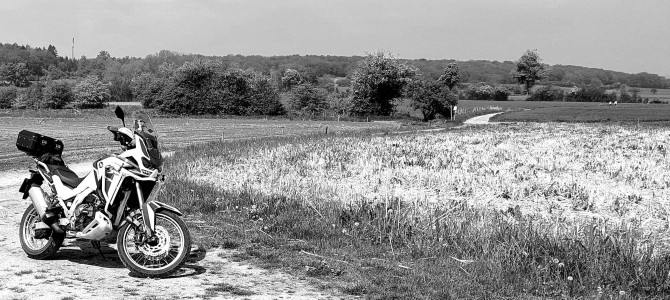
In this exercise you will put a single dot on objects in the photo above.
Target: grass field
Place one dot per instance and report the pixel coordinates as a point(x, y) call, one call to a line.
point(583, 112)
point(507, 212)
point(85, 135)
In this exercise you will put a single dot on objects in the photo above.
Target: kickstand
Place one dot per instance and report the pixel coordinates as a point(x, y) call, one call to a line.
point(96, 244)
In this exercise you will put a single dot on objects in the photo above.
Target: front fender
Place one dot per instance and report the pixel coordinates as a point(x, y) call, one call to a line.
point(149, 210)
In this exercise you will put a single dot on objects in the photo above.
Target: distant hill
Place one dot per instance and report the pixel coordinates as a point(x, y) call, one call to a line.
point(46, 61)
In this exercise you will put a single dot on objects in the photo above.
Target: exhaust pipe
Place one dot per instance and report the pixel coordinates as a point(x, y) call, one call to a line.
point(40, 203)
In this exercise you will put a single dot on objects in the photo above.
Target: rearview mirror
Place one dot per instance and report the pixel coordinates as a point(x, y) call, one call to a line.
point(119, 114)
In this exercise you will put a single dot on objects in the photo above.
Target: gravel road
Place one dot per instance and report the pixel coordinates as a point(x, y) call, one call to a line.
point(79, 272)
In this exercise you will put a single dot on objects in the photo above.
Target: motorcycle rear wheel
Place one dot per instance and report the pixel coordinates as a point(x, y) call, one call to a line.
point(36, 248)
point(169, 253)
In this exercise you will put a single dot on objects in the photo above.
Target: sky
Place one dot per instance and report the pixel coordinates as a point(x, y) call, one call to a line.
point(622, 35)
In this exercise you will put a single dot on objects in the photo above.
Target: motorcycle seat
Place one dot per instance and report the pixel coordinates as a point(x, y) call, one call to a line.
point(66, 175)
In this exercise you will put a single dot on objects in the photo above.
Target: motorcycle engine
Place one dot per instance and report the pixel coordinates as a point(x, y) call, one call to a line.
point(85, 212)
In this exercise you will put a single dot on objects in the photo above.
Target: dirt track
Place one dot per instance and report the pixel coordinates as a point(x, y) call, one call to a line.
point(79, 272)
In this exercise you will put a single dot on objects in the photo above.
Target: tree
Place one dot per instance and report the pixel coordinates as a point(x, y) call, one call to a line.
point(57, 94)
point(15, 73)
point(431, 98)
point(146, 88)
point(377, 82)
point(451, 76)
point(52, 49)
point(290, 79)
point(308, 99)
point(529, 69)
point(104, 55)
point(91, 93)
point(7, 96)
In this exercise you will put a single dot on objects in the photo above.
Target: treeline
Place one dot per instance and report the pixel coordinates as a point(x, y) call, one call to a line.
point(592, 93)
point(22, 64)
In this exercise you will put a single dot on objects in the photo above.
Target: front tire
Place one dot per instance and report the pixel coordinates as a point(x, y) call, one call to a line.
point(170, 251)
point(36, 248)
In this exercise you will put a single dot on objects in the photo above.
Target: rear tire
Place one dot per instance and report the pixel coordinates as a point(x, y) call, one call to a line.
point(37, 248)
point(168, 255)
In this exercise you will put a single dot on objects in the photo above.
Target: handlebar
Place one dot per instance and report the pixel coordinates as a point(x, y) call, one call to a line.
point(120, 136)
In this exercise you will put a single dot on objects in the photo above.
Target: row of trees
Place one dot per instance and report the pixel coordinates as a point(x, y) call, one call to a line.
point(27, 64)
point(207, 87)
point(210, 87)
point(589, 94)
point(89, 92)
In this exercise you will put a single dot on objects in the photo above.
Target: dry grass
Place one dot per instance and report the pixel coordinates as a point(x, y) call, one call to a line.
point(543, 210)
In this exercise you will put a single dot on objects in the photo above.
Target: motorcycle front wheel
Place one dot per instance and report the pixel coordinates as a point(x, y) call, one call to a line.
point(37, 248)
point(157, 258)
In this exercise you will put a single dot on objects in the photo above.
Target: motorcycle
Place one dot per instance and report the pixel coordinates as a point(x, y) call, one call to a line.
point(118, 194)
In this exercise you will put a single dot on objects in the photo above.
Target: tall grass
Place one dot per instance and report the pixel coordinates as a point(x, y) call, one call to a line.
point(539, 210)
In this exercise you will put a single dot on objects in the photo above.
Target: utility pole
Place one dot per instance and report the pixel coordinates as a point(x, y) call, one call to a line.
point(73, 48)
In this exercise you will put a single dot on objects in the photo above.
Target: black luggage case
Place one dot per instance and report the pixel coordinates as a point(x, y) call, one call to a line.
point(35, 144)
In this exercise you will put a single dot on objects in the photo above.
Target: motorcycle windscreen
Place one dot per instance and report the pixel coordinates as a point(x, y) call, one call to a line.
point(145, 121)
point(150, 136)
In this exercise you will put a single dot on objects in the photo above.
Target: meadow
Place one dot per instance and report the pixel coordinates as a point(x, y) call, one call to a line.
point(511, 211)
point(85, 135)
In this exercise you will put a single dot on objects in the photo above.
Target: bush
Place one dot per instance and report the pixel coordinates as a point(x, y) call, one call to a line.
point(340, 102)
point(306, 98)
point(290, 79)
point(547, 93)
point(483, 91)
point(480, 91)
point(431, 98)
point(203, 87)
point(147, 89)
point(7, 96)
point(34, 96)
point(500, 94)
point(377, 82)
point(588, 94)
point(57, 94)
point(91, 93)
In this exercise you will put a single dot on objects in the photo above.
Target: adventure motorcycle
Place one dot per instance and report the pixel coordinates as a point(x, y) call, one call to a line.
point(118, 194)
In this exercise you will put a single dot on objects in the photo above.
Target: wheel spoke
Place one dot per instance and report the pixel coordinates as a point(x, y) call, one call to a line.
point(168, 246)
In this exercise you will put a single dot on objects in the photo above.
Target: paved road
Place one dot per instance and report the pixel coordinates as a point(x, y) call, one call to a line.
point(479, 120)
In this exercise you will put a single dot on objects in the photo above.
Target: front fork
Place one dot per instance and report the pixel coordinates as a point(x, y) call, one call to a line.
point(150, 207)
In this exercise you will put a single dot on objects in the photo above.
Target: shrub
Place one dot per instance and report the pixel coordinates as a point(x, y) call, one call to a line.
point(34, 96)
point(146, 89)
point(547, 93)
point(377, 82)
point(587, 94)
point(431, 98)
point(290, 79)
point(307, 98)
point(480, 91)
point(7, 96)
point(21, 101)
point(203, 87)
point(339, 102)
point(91, 93)
point(57, 94)
point(500, 93)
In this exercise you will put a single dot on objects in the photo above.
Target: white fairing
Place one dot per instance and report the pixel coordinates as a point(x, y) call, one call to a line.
point(97, 229)
point(64, 192)
point(92, 202)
